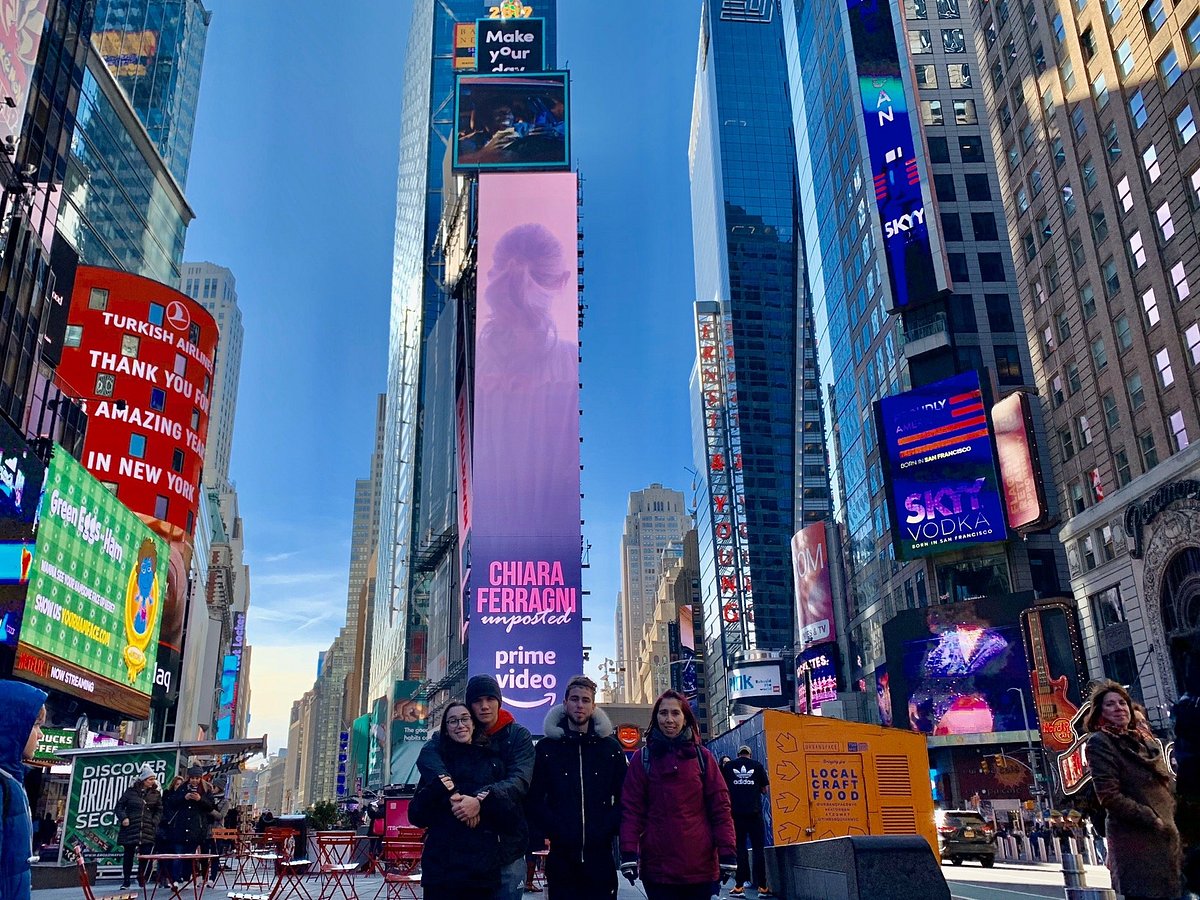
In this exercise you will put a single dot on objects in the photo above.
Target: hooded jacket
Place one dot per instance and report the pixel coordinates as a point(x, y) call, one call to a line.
point(143, 807)
point(458, 860)
point(20, 705)
point(512, 744)
point(575, 796)
point(676, 818)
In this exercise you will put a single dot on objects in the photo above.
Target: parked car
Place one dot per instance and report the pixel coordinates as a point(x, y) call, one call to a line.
point(965, 834)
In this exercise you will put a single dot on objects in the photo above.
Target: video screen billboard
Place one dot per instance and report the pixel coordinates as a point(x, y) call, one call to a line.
point(21, 25)
point(409, 731)
point(510, 45)
point(1016, 452)
point(952, 667)
point(896, 168)
point(21, 476)
point(1056, 667)
point(814, 591)
point(939, 464)
point(816, 674)
point(95, 596)
point(512, 122)
point(526, 623)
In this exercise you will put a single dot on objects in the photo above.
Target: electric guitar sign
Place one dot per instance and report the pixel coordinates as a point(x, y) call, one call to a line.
point(1052, 689)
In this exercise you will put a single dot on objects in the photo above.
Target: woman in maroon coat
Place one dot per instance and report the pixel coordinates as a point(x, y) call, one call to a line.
point(675, 823)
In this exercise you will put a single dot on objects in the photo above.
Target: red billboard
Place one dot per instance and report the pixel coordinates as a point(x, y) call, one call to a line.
point(814, 590)
point(140, 356)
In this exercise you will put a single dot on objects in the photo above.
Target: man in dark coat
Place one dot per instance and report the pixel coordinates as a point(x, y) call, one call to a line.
point(189, 810)
point(747, 781)
point(513, 746)
point(138, 811)
point(575, 797)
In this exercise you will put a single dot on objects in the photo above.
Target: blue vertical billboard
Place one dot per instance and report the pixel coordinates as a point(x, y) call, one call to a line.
point(940, 468)
point(896, 171)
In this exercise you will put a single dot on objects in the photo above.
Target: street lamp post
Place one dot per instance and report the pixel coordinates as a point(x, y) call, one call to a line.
point(1034, 767)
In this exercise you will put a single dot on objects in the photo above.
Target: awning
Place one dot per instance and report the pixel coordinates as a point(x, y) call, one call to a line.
point(245, 747)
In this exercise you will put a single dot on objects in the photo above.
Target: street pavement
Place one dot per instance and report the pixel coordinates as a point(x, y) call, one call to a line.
point(1007, 881)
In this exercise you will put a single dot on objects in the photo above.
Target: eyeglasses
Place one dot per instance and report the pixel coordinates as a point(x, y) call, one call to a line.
point(454, 723)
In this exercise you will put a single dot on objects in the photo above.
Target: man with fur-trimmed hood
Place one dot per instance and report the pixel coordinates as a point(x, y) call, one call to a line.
point(575, 796)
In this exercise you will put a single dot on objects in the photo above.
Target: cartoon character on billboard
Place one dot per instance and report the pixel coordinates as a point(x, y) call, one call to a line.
point(142, 605)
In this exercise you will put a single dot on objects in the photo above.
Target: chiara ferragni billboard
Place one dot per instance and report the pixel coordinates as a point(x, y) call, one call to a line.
point(525, 623)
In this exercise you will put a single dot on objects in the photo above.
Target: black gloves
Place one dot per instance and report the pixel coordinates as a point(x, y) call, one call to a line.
point(629, 867)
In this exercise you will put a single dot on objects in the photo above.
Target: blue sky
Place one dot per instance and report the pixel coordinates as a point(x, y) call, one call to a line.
point(293, 182)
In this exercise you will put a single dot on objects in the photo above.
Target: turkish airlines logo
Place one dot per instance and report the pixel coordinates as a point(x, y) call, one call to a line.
point(177, 316)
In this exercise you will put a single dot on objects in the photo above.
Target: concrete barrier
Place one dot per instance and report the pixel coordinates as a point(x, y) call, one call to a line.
point(899, 867)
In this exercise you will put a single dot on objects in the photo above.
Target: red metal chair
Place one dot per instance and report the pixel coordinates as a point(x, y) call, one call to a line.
point(85, 881)
point(335, 855)
point(401, 861)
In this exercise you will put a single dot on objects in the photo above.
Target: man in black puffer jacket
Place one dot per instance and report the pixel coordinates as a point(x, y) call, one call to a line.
point(574, 799)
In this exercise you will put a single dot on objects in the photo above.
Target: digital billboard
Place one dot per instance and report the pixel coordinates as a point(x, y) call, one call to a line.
point(141, 354)
point(952, 668)
point(510, 45)
point(814, 591)
point(816, 676)
point(1056, 666)
point(409, 731)
point(21, 25)
point(21, 476)
point(525, 576)
point(940, 467)
point(1020, 471)
point(896, 169)
point(95, 597)
point(512, 121)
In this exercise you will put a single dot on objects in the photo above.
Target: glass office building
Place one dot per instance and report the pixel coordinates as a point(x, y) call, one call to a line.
point(750, 286)
point(121, 207)
point(414, 560)
point(864, 351)
point(155, 49)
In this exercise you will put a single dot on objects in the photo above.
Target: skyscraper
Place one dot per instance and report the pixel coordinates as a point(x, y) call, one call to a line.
point(756, 403)
point(656, 518)
point(215, 289)
point(416, 559)
point(155, 49)
point(1094, 110)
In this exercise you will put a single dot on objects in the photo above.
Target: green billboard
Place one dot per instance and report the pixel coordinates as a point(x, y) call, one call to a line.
point(94, 604)
point(53, 740)
point(97, 783)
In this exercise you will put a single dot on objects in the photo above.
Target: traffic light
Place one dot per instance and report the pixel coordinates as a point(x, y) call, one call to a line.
point(985, 765)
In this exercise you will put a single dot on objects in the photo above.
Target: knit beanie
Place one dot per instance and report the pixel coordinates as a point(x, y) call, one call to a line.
point(483, 686)
point(146, 771)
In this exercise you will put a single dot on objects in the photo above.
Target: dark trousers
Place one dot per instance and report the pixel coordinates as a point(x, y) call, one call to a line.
point(592, 878)
point(750, 826)
point(678, 891)
point(127, 862)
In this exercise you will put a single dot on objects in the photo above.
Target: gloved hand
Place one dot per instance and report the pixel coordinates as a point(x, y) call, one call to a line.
point(728, 868)
point(629, 867)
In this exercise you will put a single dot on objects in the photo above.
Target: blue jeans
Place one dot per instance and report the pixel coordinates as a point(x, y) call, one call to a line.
point(512, 880)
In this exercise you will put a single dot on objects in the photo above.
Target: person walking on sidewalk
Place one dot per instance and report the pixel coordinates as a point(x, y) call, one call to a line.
point(575, 796)
point(21, 716)
point(676, 829)
point(139, 811)
point(188, 809)
point(747, 781)
point(512, 744)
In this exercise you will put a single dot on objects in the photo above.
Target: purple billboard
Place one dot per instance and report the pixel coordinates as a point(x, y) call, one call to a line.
point(896, 169)
point(814, 592)
point(940, 465)
point(525, 575)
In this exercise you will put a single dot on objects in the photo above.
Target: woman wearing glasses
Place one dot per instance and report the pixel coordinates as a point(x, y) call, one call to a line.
point(461, 857)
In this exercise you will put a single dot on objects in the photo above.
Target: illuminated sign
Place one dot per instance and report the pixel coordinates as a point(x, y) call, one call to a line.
point(95, 595)
point(1020, 473)
point(127, 53)
point(1055, 661)
point(816, 674)
point(21, 27)
point(525, 575)
point(896, 170)
point(510, 9)
point(54, 740)
point(512, 122)
point(757, 683)
point(510, 45)
point(940, 465)
point(723, 464)
point(814, 590)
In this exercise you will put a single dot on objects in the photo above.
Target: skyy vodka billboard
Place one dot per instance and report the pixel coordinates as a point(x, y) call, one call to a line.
point(525, 581)
point(940, 462)
point(895, 169)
